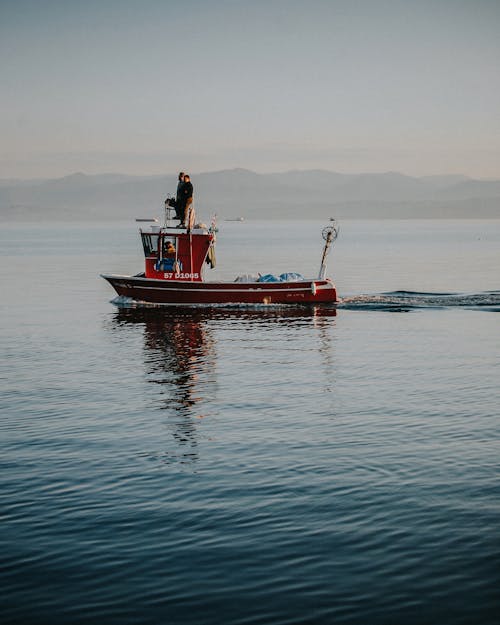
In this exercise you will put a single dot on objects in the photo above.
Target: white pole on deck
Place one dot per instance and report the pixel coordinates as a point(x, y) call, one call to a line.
point(329, 234)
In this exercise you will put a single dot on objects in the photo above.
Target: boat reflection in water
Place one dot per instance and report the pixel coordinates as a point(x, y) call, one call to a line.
point(181, 348)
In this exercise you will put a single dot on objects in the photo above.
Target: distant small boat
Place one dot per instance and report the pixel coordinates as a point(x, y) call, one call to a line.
point(174, 263)
point(235, 219)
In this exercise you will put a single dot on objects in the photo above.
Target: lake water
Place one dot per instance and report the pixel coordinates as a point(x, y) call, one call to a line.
point(243, 466)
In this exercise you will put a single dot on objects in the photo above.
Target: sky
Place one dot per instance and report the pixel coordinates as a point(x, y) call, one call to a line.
point(157, 86)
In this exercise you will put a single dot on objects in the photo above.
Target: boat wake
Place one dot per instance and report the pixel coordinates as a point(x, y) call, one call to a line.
point(400, 301)
point(395, 301)
point(128, 302)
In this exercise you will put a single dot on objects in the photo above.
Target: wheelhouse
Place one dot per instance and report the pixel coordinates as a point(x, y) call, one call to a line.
point(174, 255)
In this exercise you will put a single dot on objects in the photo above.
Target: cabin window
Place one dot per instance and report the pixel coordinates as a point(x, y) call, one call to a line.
point(169, 246)
point(149, 243)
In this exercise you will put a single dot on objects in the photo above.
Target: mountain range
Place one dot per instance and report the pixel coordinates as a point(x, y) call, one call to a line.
point(243, 193)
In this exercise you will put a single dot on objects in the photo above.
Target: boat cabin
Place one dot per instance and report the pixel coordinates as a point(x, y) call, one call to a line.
point(174, 255)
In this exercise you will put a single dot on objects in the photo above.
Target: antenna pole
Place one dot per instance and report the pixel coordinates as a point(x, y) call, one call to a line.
point(329, 234)
point(322, 268)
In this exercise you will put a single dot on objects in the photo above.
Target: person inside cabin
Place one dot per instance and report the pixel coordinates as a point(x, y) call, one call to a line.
point(178, 196)
point(186, 201)
point(169, 248)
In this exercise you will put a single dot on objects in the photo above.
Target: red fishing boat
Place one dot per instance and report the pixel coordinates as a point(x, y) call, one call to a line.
point(175, 260)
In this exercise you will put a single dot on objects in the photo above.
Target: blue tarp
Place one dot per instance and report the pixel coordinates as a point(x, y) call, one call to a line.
point(284, 277)
point(268, 277)
point(290, 277)
point(167, 264)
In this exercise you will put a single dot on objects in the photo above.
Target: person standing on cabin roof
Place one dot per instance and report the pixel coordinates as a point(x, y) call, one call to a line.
point(187, 196)
point(178, 197)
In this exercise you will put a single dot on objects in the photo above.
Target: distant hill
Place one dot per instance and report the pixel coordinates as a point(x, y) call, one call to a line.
point(240, 192)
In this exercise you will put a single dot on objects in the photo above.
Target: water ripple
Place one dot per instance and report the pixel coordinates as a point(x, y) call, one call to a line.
point(408, 300)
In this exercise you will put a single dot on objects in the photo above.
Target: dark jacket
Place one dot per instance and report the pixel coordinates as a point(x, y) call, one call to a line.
point(179, 195)
point(187, 191)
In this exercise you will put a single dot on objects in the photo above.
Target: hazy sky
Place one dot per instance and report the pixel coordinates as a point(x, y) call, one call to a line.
point(154, 86)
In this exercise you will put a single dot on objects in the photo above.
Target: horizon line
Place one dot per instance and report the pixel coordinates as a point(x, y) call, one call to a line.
point(247, 170)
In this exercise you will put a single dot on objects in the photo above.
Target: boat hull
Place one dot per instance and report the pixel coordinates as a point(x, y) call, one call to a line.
point(183, 293)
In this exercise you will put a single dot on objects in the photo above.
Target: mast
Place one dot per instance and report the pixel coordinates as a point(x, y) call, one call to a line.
point(329, 234)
